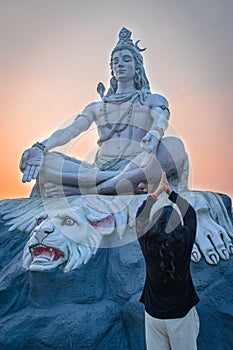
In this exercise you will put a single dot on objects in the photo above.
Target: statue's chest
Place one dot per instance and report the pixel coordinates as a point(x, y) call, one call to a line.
point(124, 113)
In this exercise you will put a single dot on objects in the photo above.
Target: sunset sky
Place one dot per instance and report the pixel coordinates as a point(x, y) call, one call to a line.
point(54, 53)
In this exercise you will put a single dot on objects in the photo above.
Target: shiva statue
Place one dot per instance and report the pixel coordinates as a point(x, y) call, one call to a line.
point(77, 206)
point(131, 122)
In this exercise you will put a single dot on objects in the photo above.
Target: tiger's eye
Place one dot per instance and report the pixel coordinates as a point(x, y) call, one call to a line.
point(68, 221)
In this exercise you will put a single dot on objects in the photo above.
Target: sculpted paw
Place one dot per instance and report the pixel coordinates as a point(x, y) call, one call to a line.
point(214, 227)
point(212, 239)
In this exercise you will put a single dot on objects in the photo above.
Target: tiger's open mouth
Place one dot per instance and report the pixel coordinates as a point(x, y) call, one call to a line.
point(44, 253)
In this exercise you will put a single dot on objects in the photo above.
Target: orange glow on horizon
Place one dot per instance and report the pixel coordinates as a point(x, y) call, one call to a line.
point(51, 62)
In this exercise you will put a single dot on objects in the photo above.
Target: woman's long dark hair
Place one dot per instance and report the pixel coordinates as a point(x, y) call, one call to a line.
point(168, 232)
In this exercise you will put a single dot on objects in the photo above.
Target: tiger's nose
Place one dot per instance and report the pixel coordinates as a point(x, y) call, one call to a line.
point(43, 231)
point(47, 228)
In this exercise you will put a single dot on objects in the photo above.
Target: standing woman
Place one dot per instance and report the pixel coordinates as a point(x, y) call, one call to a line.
point(169, 295)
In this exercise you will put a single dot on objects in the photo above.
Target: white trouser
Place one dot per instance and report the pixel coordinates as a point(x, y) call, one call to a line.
point(172, 334)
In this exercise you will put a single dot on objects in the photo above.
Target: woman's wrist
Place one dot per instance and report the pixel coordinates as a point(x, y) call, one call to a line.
point(153, 195)
point(156, 194)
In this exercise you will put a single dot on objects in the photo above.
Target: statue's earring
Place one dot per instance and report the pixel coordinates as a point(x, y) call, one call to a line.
point(137, 77)
point(113, 83)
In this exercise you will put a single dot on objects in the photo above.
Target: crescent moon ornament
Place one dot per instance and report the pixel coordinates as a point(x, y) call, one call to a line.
point(139, 49)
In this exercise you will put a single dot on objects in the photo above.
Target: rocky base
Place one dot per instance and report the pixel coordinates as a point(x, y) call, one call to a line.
point(96, 306)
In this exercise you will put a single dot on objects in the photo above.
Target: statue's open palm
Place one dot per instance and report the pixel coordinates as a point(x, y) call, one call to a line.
point(30, 163)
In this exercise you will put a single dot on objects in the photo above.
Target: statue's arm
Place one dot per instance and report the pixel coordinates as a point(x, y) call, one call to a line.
point(81, 123)
point(32, 158)
point(160, 115)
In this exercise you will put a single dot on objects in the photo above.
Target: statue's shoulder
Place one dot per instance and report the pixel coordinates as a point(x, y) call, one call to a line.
point(92, 105)
point(156, 100)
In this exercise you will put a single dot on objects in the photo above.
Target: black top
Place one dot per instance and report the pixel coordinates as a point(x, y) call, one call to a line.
point(172, 298)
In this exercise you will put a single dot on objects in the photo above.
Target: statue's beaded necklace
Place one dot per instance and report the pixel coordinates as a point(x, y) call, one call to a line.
point(119, 127)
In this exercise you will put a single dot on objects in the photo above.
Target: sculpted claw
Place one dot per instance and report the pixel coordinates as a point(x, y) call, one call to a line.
point(214, 259)
point(195, 257)
point(231, 249)
point(225, 255)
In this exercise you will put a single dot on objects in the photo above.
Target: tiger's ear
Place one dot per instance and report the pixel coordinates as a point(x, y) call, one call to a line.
point(106, 225)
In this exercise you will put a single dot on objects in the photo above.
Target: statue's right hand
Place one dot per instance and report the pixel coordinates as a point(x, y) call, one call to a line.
point(30, 163)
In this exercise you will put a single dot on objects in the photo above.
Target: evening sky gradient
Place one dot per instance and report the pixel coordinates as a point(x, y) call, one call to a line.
point(54, 52)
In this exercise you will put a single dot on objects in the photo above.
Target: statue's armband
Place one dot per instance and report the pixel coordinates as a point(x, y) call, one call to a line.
point(160, 116)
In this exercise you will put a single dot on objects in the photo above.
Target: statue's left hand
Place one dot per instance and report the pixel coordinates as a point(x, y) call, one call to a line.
point(150, 142)
point(30, 163)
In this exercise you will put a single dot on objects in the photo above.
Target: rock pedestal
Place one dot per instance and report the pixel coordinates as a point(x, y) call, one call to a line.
point(96, 306)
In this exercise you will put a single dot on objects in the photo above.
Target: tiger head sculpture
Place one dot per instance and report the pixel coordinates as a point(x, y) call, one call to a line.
point(68, 232)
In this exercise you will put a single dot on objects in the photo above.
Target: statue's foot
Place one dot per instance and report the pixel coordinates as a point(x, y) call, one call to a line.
point(52, 190)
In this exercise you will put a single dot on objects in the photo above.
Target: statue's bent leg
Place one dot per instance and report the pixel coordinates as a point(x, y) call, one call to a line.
point(69, 176)
point(49, 182)
point(129, 178)
point(174, 161)
point(73, 176)
point(61, 169)
point(170, 157)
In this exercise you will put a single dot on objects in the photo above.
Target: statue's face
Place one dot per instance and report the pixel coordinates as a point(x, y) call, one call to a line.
point(123, 65)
